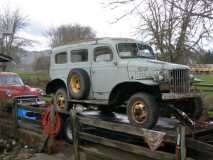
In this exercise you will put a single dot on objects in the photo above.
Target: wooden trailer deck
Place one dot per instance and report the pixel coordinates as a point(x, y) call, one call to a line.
point(110, 136)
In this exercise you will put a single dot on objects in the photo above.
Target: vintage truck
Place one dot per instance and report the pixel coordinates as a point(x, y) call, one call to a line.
point(109, 72)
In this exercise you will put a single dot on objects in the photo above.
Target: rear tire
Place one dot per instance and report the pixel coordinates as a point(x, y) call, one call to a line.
point(142, 110)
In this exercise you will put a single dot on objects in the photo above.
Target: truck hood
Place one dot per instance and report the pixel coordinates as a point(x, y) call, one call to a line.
point(152, 64)
point(150, 69)
point(23, 90)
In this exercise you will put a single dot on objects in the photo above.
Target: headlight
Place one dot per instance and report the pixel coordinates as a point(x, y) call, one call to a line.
point(8, 93)
point(159, 76)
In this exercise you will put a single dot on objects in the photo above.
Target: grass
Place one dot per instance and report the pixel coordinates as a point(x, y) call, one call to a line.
point(208, 92)
point(42, 75)
point(207, 79)
point(35, 79)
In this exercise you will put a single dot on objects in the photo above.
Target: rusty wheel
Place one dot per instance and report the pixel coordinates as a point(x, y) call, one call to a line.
point(78, 83)
point(142, 110)
point(139, 112)
point(75, 85)
point(60, 100)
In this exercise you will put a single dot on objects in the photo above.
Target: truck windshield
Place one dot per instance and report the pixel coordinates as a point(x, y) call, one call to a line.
point(135, 50)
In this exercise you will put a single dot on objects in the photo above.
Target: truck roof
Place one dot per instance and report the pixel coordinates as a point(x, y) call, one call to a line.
point(95, 41)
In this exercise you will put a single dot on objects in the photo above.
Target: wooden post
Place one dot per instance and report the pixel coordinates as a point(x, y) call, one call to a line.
point(75, 130)
point(15, 119)
point(181, 143)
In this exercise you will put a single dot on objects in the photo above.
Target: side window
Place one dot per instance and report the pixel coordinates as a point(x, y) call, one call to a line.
point(79, 55)
point(103, 54)
point(61, 58)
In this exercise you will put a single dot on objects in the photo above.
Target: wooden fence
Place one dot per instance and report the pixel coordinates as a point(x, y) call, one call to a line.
point(19, 127)
point(118, 145)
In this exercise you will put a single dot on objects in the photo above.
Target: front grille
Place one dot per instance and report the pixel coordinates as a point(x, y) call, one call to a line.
point(27, 99)
point(179, 81)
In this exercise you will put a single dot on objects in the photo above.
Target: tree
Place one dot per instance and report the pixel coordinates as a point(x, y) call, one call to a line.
point(68, 33)
point(41, 63)
point(174, 27)
point(11, 23)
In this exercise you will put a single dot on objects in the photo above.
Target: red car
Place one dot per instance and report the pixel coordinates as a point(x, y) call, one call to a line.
point(11, 86)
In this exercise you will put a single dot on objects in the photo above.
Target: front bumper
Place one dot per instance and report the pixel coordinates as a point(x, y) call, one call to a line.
point(173, 96)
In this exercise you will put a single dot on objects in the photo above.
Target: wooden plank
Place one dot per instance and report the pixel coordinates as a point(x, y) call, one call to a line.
point(14, 112)
point(97, 152)
point(121, 127)
point(25, 120)
point(127, 147)
point(30, 127)
point(75, 131)
point(183, 143)
point(199, 146)
point(7, 121)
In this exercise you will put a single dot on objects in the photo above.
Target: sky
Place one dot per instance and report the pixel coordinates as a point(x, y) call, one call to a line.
point(44, 14)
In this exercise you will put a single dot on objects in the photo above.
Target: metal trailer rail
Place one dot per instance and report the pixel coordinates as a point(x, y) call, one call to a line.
point(113, 137)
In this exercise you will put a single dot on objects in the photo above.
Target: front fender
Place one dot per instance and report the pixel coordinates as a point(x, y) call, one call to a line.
point(149, 82)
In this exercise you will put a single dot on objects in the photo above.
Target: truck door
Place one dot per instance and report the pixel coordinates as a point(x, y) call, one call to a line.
point(103, 71)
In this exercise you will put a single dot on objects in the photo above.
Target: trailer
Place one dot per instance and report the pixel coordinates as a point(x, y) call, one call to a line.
point(110, 136)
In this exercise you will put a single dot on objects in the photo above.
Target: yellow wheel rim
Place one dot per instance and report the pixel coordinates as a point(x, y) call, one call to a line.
point(75, 83)
point(139, 112)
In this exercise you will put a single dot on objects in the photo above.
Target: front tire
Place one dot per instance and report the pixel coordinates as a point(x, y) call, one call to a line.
point(142, 110)
point(68, 131)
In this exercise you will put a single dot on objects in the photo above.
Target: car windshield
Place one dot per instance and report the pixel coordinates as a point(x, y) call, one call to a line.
point(11, 80)
point(135, 50)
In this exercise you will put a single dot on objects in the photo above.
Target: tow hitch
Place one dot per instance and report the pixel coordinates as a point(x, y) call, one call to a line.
point(183, 118)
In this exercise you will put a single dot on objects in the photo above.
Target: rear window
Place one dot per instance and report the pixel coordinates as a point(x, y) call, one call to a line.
point(61, 58)
point(79, 55)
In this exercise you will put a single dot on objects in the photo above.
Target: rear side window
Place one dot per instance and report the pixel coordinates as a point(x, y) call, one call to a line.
point(79, 55)
point(103, 54)
point(61, 58)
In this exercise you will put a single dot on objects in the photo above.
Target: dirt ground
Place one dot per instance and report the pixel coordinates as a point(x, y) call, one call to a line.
point(11, 149)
